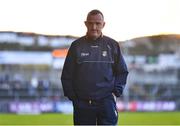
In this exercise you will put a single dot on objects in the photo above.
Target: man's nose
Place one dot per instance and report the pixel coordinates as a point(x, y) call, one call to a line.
point(94, 26)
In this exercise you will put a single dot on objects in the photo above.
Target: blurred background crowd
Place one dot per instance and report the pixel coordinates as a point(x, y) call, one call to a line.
point(31, 65)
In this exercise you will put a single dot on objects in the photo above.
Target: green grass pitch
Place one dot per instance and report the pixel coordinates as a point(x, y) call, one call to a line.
point(125, 118)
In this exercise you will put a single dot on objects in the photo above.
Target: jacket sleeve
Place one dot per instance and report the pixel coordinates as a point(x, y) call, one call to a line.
point(120, 72)
point(68, 74)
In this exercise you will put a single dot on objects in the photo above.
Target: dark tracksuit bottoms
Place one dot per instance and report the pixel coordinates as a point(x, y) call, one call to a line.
point(95, 112)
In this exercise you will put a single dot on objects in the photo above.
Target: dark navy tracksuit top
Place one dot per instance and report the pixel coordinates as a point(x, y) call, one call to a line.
point(93, 69)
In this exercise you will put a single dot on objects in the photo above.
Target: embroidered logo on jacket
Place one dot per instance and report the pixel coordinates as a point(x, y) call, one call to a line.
point(84, 54)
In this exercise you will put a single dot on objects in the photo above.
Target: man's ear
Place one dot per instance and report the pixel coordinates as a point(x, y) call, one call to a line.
point(104, 24)
point(85, 22)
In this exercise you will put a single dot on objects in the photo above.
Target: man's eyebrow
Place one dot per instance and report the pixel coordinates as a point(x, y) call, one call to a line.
point(94, 21)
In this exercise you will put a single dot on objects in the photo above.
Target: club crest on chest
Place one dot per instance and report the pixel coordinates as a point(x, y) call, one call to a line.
point(104, 53)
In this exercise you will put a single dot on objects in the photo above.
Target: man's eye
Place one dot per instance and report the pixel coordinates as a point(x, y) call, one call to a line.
point(90, 23)
point(94, 23)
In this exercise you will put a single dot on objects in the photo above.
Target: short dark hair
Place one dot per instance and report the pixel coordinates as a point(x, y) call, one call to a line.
point(94, 12)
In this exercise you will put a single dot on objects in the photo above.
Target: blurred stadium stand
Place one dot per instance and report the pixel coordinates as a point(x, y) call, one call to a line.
point(31, 64)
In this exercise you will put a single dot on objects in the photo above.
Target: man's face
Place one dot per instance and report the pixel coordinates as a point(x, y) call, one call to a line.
point(94, 24)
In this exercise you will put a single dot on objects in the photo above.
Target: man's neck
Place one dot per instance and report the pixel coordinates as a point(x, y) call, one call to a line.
point(93, 38)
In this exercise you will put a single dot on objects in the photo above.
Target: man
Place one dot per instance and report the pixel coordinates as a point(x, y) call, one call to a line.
point(94, 72)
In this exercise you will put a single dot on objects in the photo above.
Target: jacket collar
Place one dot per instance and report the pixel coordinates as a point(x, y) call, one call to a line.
point(95, 39)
